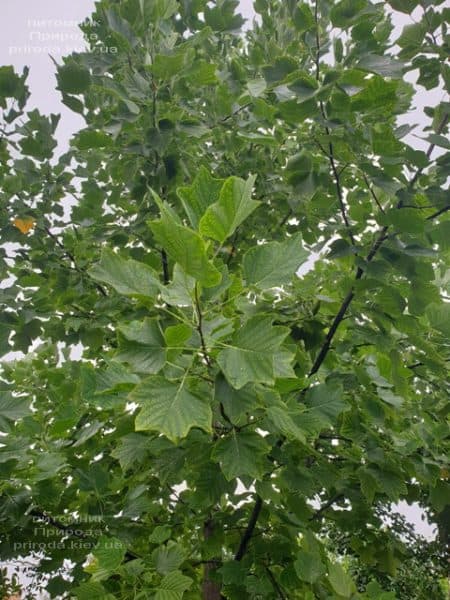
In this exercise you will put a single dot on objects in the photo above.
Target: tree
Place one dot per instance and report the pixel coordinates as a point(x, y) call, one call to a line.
point(191, 417)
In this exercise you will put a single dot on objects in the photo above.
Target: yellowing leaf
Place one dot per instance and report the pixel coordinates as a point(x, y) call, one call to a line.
point(24, 225)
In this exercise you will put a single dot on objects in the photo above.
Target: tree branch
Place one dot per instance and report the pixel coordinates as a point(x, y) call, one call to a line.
point(330, 153)
point(326, 506)
point(249, 530)
point(165, 266)
point(276, 586)
point(71, 257)
point(200, 327)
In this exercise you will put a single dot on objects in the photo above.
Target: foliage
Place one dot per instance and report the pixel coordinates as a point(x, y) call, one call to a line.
point(190, 417)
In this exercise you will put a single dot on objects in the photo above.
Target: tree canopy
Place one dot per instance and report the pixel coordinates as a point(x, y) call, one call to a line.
point(232, 297)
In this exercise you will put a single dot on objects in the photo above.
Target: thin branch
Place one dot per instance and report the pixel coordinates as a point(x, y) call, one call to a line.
point(330, 153)
point(429, 152)
point(71, 257)
point(372, 193)
point(200, 328)
point(326, 506)
point(248, 533)
point(276, 585)
point(316, 19)
point(234, 113)
point(165, 266)
point(438, 213)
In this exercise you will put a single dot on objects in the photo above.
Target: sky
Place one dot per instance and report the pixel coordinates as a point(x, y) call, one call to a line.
point(30, 27)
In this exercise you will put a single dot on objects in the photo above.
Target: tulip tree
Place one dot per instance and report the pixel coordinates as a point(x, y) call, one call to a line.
point(231, 295)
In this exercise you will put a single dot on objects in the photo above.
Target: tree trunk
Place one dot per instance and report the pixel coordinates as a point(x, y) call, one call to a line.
point(210, 589)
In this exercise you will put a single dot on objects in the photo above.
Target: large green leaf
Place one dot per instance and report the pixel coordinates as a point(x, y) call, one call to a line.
point(73, 78)
point(173, 586)
point(275, 263)
point(13, 407)
point(126, 276)
point(324, 404)
point(170, 407)
point(241, 454)
point(234, 205)
point(197, 197)
point(250, 355)
point(131, 450)
point(108, 555)
point(341, 581)
point(185, 247)
point(142, 346)
point(309, 566)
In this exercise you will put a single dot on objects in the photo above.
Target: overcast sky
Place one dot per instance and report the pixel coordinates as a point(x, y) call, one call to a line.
point(29, 27)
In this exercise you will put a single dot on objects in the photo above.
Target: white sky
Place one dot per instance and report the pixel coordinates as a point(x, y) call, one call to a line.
point(24, 41)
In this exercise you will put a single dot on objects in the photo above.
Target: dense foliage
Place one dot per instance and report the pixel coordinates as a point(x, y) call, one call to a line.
point(192, 419)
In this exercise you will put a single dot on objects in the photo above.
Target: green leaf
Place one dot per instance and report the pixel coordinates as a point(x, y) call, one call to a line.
point(203, 192)
point(92, 139)
point(280, 69)
point(250, 355)
point(126, 276)
point(165, 67)
point(324, 405)
point(73, 79)
point(234, 205)
point(412, 36)
point(404, 6)
point(185, 247)
point(309, 567)
point(90, 590)
point(382, 65)
point(173, 586)
point(298, 168)
point(340, 580)
point(406, 220)
point(236, 403)
point(170, 408)
point(108, 556)
point(13, 407)
point(240, 454)
point(143, 347)
point(282, 420)
point(12, 86)
point(131, 450)
point(439, 317)
point(274, 264)
point(344, 13)
point(180, 291)
point(160, 534)
point(303, 17)
point(114, 376)
point(168, 558)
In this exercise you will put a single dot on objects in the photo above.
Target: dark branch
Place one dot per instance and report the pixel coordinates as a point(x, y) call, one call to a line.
point(326, 506)
point(200, 328)
point(249, 530)
point(276, 586)
point(330, 153)
point(165, 266)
